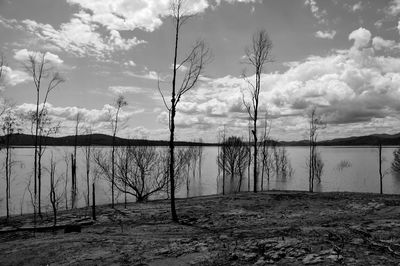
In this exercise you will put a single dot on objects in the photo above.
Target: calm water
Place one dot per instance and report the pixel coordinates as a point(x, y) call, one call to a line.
point(361, 176)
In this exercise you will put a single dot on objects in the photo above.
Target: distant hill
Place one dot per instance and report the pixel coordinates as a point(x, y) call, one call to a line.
point(106, 140)
point(92, 139)
point(369, 140)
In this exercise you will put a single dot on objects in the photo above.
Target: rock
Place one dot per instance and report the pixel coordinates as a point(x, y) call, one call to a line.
point(223, 237)
point(335, 258)
point(312, 259)
point(260, 262)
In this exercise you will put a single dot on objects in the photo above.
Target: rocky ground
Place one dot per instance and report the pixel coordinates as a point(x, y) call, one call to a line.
point(281, 228)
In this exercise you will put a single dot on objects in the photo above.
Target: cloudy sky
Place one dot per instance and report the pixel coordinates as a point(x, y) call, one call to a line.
point(339, 55)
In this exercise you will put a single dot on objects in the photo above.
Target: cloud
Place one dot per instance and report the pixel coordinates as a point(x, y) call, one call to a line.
point(130, 63)
point(357, 7)
point(146, 74)
point(97, 119)
point(24, 54)
point(80, 36)
point(14, 77)
point(393, 9)
point(350, 87)
point(361, 37)
point(146, 15)
point(126, 89)
point(316, 11)
point(380, 44)
point(325, 34)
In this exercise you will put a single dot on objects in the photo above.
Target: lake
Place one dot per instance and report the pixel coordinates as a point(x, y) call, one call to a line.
point(360, 174)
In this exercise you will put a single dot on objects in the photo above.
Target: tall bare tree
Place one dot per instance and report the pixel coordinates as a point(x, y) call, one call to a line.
point(194, 62)
point(257, 55)
point(119, 103)
point(40, 70)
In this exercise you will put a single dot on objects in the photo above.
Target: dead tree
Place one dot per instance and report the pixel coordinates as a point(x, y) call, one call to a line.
point(194, 62)
point(40, 70)
point(265, 152)
point(233, 158)
point(314, 163)
point(380, 168)
point(396, 161)
point(257, 56)
point(119, 103)
point(74, 191)
point(145, 174)
point(87, 150)
point(10, 125)
point(55, 196)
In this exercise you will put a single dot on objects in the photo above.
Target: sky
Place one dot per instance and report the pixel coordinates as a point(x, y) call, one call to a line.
point(341, 56)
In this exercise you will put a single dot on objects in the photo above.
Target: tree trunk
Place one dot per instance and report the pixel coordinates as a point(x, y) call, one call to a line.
point(380, 169)
point(172, 127)
point(93, 202)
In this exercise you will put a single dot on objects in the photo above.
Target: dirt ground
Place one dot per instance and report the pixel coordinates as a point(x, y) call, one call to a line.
point(268, 228)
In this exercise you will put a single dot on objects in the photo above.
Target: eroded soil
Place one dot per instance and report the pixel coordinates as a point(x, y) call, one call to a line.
point(281, 228)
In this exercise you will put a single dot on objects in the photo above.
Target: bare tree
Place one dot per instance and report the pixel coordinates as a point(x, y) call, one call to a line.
point(119, 103)
point(195, 62)
point(74, 191)
point(40, 70)
point(265, 152)
point(10, 125)
point(257, 56)
point(144, 174)
point(87, 150)
point(66, 160)
point(314, 162)
point(396, 161)
point(233, 158)
point(380, 168)
point(55, 195)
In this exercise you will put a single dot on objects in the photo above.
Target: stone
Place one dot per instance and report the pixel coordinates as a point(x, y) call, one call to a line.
point(312, 259)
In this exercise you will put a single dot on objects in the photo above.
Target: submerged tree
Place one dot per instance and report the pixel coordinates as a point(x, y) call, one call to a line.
point(233, 159)
point(257, 55)
point(314, 163)
point(396, 161)
point(55, 195)
point(192, 66)
point(141, 171)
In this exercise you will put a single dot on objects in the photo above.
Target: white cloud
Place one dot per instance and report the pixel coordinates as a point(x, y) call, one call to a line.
point(146, 74)
point(125, 89)
point(80, 36)
point(316, 11)
point(325, 34)
point(14, 77)
point(357, 7)
point(130, 15)
point(130, 63)
point(23, 56)
point(361, 37)
point(379, 44)
point(350, 87)
point(98, 119)
point(393, 9)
